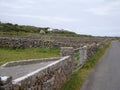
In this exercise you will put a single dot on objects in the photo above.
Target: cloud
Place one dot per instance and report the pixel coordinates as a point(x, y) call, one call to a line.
point(101, 31)
point(16, 4)
point(52, 19)
point(105, 9)
point(95, 17)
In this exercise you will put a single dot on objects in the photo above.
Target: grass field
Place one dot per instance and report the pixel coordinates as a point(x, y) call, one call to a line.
point(9, 54)
point(79, 76)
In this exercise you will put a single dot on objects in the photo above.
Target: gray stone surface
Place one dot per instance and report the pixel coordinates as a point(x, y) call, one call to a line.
point(30, 61)
point(48, 41)
point(5, 80)
point(21, 70)
point(106, 74)
point(48, 77)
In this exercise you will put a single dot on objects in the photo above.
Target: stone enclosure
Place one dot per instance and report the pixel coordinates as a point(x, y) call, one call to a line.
point(28, 42)
point(52, 76)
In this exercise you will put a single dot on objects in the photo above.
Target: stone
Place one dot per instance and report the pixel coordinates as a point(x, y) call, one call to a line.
point(5, 80)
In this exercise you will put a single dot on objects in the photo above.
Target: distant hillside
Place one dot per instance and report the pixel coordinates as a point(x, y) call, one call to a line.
point(15, 29)
point(9, 27)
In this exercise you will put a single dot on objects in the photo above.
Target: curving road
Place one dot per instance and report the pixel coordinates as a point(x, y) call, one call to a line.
point(106, 74)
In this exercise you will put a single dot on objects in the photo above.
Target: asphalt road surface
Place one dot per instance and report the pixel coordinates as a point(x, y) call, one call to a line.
point(106, 74)
point(21, 70)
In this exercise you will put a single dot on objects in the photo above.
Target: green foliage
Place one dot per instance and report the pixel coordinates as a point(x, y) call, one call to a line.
point(57, 31)
point(76, 56)
point(15, 29)
point(9, 27)
point(10, 54)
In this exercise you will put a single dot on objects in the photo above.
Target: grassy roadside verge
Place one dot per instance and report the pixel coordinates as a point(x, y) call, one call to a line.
point(10, 54)
point(79, 76)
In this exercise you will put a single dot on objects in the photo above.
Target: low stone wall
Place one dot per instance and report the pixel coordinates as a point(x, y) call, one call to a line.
point(30, 61)
point(28, 42)
point(50, 77)
point(87, 51)
point(91, 50)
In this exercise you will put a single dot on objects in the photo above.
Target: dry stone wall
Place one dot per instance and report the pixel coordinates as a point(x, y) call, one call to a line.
point(50, 77)
point(25, 43)
point(30, 61)
point(87, 51)
point(28, 42)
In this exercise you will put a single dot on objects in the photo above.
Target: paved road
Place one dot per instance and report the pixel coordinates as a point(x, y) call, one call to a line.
point(21, 70)
point(106, 74)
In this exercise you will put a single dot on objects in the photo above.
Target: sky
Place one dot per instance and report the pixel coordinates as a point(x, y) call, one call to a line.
point(91, 17)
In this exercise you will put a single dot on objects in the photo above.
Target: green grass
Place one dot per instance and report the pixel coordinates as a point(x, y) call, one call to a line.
point(79, 76)
point(9, 54)
point(76, 58)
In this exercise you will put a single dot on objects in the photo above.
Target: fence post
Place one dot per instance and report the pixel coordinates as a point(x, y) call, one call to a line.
point(68, 51)
point(85, 52)
point(82, 55)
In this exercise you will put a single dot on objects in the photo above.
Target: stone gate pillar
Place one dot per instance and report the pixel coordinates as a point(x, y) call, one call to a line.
point(68, 51)
point(82, 55)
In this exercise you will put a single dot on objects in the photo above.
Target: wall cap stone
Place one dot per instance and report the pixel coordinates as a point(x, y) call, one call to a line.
point(29, 61)
point(16, 81)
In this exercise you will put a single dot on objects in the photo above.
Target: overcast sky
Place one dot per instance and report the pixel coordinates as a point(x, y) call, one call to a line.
point(93, 17)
